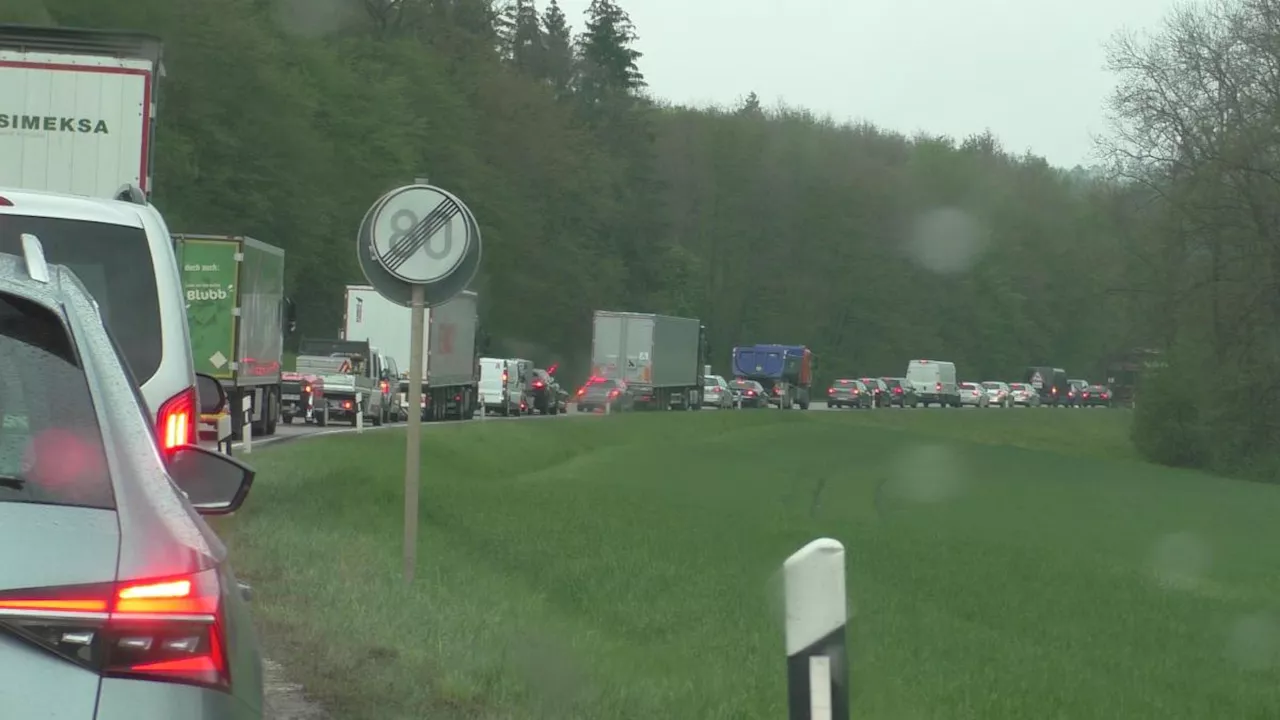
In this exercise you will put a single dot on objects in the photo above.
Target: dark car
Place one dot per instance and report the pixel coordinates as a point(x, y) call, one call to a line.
point(116, 599)
point(1075, 392)
point(545, 393)
point(1096, 396)
point(749, 393)
point(901, 392)
point(849, 392)
point(606, 395)
point(1051, 384)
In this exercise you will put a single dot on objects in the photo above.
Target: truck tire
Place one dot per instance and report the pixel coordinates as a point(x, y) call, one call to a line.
point(322, 416)
point(273, 412)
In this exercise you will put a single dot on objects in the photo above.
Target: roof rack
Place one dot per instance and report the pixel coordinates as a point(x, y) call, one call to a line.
point(131, 194)
point(116, 43)
point(33, 252)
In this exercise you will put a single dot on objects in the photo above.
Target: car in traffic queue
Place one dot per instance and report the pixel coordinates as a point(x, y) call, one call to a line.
point(302, 397)
point(849, 392)
point(607, 395)
point(116, 600)
point(1023, 395)
point(122, 251)
point(879, 391)
point(1096, 396)
point(973, 394)
point(998, 393)
point(749, 393)
point(901, 392)
point(1075, 390)
point(544, 393)
point(717, 393)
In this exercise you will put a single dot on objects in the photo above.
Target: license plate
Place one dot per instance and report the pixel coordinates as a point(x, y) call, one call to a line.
point(288, 396)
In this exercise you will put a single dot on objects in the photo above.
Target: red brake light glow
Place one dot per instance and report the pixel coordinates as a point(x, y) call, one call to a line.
point(385, 386)
point(176, 420)
point(537, 384)
point(5, 202)
point(162, 629)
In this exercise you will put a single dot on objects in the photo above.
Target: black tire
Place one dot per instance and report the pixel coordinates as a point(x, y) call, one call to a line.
point(321, 417)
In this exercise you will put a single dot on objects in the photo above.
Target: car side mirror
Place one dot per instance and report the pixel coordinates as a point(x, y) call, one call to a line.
point(214, 483)
point(213, 398)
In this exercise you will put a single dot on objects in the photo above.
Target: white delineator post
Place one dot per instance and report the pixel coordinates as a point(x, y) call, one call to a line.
point(817, 614)
point(481, 406)
point(359, 413)
point(246, 426)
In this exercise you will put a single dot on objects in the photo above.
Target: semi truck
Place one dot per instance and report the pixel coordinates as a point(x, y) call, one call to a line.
point(78, 109)
point(450, 365)
point(659, 357)
point(785, 372)
point(238, 317)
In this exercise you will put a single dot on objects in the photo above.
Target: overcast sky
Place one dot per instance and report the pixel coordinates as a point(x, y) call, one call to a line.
point(1030, 70)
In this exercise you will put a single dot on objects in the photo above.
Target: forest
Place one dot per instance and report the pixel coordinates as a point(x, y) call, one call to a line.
point(285, 119)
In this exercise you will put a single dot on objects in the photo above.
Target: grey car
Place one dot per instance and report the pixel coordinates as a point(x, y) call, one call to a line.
point(116, 599)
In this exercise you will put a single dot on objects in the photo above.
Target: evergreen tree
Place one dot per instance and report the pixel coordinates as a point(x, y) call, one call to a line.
point(750, 106)
point(557, 41)
point(528, 53)
point(610, 66)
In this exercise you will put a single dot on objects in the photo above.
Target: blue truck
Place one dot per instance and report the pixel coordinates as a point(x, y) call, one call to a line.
point(785, 371)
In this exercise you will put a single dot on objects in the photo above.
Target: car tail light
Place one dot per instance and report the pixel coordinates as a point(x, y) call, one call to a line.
point(176, 420)
point(751, 392)
point(164, 629)
point(1054, 390)
point(384, 386)
point(897, 391)
point(346, 404)
point(537, 384)
point(1106, 395)
point(1084, 394)
point(505, 377)
point(614, 393)
point(306, 388)
point(5, 202)
point(777, 391)
point(582, 391)
point(938, 386)
point(831, 391)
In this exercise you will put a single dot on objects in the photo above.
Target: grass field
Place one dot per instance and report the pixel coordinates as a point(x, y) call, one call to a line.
point(1003, 564)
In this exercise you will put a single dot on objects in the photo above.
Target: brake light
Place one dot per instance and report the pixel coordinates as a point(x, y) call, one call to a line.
point(777, 391)
point(582, 391)
point(306, 388)
point(612, 393)
point(938, 386)
point(537, 384)
point(1106, 395)
point(385, 386)
point(897, 391)
point(1054, 390)
point(1084, 394)
point(5, 202)
point(346, 404)
point(163, 629)
point(176, 420)
point(505, 377)
point(751, 392)
point(831, 391)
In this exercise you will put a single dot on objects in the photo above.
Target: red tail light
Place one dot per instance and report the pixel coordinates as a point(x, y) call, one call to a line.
point(1106, 395)
point(346, 404)
point(582, 391)
point(938, 387)
point(614, 393)
point(384, 386)
point(175, 422)
point(751, 393)
point(306, 388)
point(831, 391)
point(538, 384)
point(897, 391)
point(164, 629)
point(1084, 394)
point(505, 377)
point(5, 202)
point(777, 391)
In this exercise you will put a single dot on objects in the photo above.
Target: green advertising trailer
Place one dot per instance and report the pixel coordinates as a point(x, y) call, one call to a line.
point(238, 315)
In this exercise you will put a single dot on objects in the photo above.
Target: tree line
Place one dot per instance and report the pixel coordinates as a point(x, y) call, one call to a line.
point(285, 119)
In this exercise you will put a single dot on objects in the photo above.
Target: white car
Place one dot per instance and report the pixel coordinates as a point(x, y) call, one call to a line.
point(122, 251)
point(998, 393)
point(716, 393)
point(972, 393)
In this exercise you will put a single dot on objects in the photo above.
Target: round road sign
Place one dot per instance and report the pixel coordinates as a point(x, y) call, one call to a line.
point(419, 235)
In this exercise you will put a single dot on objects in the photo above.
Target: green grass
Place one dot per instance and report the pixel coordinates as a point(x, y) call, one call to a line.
point(623, 567)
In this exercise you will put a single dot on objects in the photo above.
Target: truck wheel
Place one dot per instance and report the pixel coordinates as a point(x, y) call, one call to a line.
point(322, 417)
point(273, 412)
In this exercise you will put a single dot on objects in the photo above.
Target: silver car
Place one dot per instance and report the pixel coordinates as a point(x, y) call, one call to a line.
point(717, 393)
point(116, 600)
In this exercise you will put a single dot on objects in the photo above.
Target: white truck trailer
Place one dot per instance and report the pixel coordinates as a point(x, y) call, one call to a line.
point(78, 109)
point(451, 368)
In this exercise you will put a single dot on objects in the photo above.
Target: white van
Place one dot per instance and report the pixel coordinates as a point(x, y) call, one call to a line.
point(934, 382)
point(122, 252)
point(505, 385)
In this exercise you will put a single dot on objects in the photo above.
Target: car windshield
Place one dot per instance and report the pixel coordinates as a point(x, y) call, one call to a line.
point(114, 263)
point(891, 382)
point(51, 447)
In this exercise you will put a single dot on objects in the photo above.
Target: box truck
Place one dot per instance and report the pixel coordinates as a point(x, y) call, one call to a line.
point(238, 316)
point(450, 367)
point(659, 357)
point(77, 109)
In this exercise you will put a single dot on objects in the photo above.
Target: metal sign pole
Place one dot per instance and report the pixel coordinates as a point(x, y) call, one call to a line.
point(413, 435)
